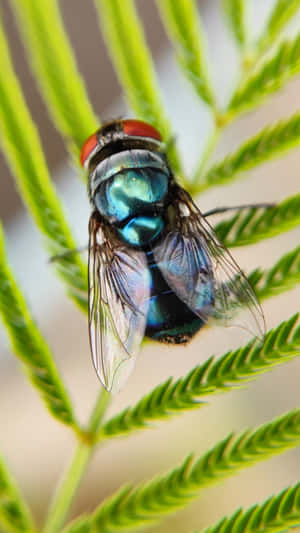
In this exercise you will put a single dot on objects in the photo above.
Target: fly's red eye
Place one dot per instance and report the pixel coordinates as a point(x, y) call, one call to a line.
point(88, 147)
point(137, 128)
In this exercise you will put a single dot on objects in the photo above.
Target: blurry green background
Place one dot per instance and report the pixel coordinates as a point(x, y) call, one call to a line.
point(36, 446)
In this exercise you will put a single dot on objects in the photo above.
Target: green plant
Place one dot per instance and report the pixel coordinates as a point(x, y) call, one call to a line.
point(265, 67)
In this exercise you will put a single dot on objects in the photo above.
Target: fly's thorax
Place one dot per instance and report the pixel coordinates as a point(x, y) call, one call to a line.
point(129, 189)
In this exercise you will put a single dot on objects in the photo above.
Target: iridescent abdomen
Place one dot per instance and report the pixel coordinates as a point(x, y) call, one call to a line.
point(130, 191)
point(169, 319)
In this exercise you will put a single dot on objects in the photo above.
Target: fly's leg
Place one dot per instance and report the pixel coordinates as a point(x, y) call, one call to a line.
point(219, 210)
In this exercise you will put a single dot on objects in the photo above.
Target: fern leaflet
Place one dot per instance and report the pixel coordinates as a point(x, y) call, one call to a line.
point(14, 514)
point(129, 52)
point(235, 11)
point(29, 345)
point(265, 145)
point(253, 225)
point(131, 508)
point(214, 376)
point(277, 514)
point(54, 64)
point(281, 14)
point(24, 153)
point(268, 77)
point(184, 27)
point(283, 276)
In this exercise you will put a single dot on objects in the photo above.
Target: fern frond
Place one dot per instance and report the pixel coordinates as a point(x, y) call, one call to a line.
point(268, 77)
point(235, 11)
point(183, 24)
point(14, 513)
point(131, 508)
point(22, 148)
point(283, 276)
point(55, 69)
point(127, 46)
point(29, 345)
point(281, 14)
point(270, 142)
point(277, 514)
point(228, 372)
point(252, 225)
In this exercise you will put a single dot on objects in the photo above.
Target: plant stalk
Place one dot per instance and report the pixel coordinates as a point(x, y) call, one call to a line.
point(208, 150)
point(71, 479)
point(222, 119)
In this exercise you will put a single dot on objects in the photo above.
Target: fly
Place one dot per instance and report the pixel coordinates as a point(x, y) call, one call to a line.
point(156, 266)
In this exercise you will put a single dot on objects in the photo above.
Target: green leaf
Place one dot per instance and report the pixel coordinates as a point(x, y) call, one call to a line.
point(184, 27)
point(55, 68)
point(14, 513)
point(131, 508)
point(268, 77)
point(22, 148)
point(252, 225)
point(133, 63)
point(283, 276)
point(281, 14)
point(235, 11)
point(270, 142)
point(228, 372)
point(29, 345)
point(277, 514)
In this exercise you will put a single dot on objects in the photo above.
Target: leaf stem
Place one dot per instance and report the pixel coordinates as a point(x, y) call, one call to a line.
point(208, 150)
point(249, 59)
point(74, 473)
point(221, 120)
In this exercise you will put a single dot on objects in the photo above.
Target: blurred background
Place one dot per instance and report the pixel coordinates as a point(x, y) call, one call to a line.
point(36, 446)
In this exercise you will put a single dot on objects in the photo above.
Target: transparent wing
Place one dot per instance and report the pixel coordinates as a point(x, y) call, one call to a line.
point(202, 272)
point(118, 304)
